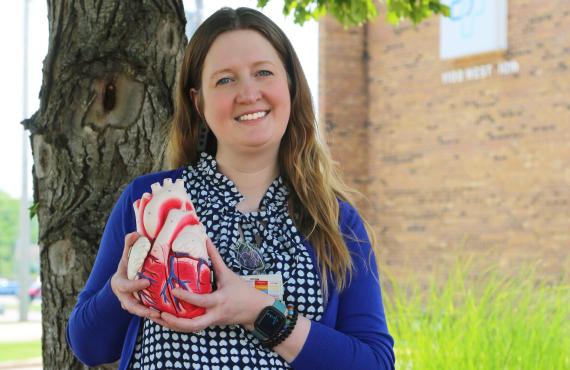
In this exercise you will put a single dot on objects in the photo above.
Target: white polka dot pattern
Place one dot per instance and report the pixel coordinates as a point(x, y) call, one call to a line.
point(271, 232)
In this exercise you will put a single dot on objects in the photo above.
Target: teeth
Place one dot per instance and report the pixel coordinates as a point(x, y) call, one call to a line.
point(252, 116)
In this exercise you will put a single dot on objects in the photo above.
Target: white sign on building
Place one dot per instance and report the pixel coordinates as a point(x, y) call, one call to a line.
point(475, 27)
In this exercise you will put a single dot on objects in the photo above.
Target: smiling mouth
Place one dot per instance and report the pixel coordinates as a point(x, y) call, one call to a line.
point(252, 116)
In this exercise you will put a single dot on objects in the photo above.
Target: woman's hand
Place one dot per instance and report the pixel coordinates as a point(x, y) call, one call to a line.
point(234, 301)
point(125, 289)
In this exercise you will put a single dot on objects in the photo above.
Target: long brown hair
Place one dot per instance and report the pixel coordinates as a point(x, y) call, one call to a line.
point(304, 161)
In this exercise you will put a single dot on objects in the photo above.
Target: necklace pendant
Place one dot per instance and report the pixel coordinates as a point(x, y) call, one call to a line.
point(248, 256)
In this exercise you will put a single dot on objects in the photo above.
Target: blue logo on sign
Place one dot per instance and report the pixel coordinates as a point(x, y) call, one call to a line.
point(466, 13)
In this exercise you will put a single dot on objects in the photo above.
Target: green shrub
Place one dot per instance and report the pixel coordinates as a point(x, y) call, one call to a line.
point(480, 320)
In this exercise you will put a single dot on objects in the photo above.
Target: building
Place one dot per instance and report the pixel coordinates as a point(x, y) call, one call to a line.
point(470, 154)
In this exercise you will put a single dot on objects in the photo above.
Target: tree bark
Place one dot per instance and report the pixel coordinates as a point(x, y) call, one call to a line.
point(105, 102)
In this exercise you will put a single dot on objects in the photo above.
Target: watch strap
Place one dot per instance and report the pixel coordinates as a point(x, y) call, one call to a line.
point(292, 317)
point(279, 306)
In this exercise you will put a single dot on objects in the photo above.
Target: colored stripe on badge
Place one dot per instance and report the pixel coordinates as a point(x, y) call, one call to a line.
point(262, 285)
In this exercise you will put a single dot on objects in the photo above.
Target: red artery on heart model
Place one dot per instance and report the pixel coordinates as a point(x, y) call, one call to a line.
point(171, 252)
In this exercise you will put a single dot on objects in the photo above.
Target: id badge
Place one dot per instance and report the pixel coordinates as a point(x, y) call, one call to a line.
point(271, 284)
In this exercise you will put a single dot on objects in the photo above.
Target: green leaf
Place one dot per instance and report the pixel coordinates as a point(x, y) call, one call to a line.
point(262, 3)
point(393, 18)
point(33, 210)
point(357, 12)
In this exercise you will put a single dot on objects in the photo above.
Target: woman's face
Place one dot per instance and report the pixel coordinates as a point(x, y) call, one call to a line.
point(245, 93)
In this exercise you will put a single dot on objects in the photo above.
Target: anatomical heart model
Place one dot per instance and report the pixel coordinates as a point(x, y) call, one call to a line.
point(171, 251)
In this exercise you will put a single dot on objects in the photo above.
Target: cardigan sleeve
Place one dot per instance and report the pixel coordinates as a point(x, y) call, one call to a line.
point(360, 338)
point(97, 326)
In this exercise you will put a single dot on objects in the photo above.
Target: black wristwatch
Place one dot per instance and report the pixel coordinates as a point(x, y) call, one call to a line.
point(270, 321)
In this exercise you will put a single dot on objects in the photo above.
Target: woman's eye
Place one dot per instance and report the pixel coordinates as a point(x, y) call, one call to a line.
point(223, 81)
point(264, 73)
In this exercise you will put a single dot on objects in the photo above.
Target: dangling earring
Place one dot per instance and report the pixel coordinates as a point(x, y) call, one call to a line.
point(203, 131)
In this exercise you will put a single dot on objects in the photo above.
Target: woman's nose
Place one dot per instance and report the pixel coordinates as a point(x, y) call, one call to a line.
point(248, 93)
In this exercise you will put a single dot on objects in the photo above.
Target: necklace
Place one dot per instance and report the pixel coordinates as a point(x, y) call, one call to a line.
point(249, 256)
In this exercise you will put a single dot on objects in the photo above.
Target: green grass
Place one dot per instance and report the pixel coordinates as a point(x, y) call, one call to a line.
point(480, 320)
point(14, 351)
point(34, 306)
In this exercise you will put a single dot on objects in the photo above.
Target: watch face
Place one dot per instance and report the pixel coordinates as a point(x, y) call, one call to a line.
point(270, 322)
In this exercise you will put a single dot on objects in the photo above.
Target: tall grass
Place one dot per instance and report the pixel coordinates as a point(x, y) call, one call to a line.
point(480, 320)
point(14, 351)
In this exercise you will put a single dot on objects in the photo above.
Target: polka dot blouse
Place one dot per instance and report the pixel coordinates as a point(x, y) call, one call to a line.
point(262, 242)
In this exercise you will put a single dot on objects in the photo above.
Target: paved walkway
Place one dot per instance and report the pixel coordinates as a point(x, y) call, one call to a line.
point(32, 364)
point(12, 330)
point(20, 331)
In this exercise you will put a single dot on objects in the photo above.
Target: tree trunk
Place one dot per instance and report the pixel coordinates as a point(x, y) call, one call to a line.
point(105, 103)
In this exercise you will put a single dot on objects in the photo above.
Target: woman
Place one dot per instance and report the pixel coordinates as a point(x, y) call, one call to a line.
point(244, 120)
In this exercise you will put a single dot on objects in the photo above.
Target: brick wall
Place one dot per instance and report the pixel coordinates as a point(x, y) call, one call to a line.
point(481, 166)
point(343, 100)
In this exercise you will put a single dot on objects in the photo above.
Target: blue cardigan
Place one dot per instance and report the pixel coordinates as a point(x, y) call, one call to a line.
point(352, 333)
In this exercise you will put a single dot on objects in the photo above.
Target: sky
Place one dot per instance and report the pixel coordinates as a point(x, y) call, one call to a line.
point(12, 136)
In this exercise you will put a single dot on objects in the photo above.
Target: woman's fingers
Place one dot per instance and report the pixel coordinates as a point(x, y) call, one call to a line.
point(127, 286)
point(130, 239)
point(143, 311)
point(209, 301)
point(126, 289)
point(217, 261)
point(158, 320)
point(200, 300)
point(131, 304)
point(188, 325)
